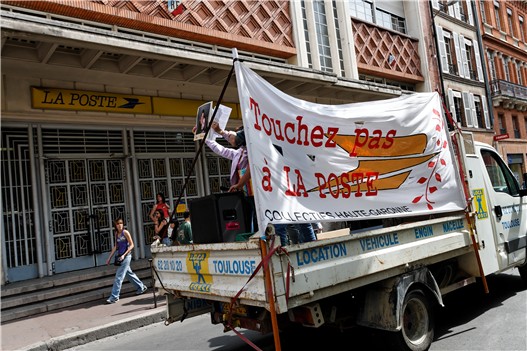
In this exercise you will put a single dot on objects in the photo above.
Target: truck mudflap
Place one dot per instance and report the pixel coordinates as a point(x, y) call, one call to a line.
point(383, 302)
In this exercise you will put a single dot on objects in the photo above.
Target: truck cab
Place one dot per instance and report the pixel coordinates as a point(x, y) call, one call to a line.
point(499, 205)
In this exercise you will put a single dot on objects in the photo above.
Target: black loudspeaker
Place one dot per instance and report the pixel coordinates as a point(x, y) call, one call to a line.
point(218, 218)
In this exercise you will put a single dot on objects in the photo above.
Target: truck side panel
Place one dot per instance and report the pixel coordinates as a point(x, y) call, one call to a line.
point(215, 271)
point(328, 267)
point(319, 269)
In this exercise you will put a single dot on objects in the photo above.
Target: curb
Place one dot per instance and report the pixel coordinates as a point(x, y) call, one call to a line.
point(89, 335)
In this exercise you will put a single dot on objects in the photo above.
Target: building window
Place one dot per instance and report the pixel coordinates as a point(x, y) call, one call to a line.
point(306, 35)
point(479, 112)
point(448, 50)
point(324, 48)
point(393, 83)
point(469, 62)
point(515, 127)
point(497, 14)
point(509, 21)
point(468, 110)
point(482, 10)
point(362, 9)
point(322, 38)
point(519, 73)
point(339, 44)
point(390, 21)
point(522, 28)
point(460, 111)
point(492, 67)
point(501, 123)
point(464, 11)
point(506, 70)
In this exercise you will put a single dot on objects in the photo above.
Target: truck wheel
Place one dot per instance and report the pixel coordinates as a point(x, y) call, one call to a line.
point(417, 330)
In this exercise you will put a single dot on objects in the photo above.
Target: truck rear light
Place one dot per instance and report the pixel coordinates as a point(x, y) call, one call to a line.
point(232, 225)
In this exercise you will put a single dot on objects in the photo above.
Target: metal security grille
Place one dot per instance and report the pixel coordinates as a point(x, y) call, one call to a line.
point(166, 175)
point(219, 172)
point(85, 179)
point(163, 142)
point(85, 196)
point(17, 203)
point(83, 187)
point(74, 141)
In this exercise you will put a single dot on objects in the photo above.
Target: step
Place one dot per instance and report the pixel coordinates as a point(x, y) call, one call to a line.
point(98, 289)
point(63, 290)
point(47, 282)
point(100, 294)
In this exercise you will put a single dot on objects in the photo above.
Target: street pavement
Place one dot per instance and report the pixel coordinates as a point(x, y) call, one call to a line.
point(81, 324)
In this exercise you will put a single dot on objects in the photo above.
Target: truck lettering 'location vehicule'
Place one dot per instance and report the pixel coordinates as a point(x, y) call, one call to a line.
point(447, 212)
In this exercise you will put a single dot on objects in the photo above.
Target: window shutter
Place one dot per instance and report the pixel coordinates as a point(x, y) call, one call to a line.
point(485, 112)
point(457, 11)
point(467, 108)
point(473, 109)
point(477, 57)
point(451, 105)
point(469, 12)
point(442, 49)
point(459, 60)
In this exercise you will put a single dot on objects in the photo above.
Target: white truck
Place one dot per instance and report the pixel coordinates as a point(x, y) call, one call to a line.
point(388, 277)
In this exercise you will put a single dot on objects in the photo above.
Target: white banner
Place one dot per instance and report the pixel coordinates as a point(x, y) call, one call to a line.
point(311, 162)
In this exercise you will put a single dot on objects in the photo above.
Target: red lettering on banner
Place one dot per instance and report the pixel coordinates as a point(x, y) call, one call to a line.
point(294, 133)
point(299, 189)
point(266, 179)
point(363, 139)
point(340, 186)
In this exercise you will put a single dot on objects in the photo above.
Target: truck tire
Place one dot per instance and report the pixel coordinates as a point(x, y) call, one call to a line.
point(417, 324)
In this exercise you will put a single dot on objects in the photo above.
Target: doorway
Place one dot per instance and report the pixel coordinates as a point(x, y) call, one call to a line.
point(85, 196)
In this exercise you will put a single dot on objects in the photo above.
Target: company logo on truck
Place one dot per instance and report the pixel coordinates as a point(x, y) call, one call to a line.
point(480, 203)
point(198, 261)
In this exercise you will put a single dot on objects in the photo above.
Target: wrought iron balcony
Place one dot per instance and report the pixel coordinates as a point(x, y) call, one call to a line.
point(509, 94)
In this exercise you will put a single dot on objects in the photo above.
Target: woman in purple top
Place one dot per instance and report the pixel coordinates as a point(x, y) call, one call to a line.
point(124, 244)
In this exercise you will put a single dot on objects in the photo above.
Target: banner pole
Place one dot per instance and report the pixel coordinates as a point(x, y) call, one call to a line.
point(270, 296)
point(267, 273)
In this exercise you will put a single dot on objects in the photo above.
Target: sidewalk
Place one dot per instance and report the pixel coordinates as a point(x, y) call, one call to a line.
point(81, 324)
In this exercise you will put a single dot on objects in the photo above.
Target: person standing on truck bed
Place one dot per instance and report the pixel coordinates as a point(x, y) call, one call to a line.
point(305, 232)
point(184, 234)
point(294, 233)
point(124, 244)
point(240, 175)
